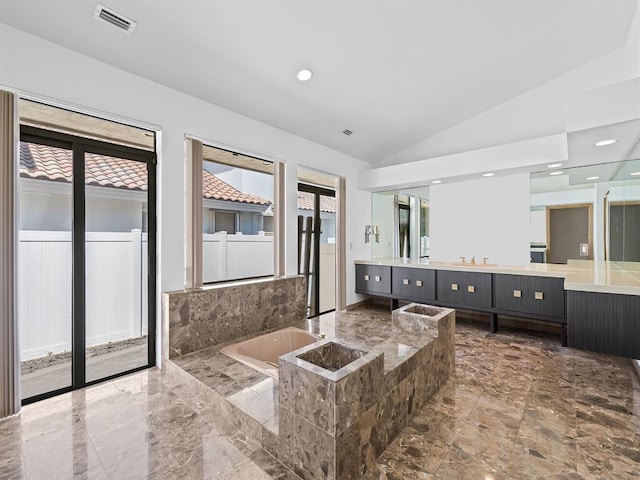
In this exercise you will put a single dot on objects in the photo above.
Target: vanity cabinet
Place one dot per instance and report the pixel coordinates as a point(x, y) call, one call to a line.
point(464, 289)
point(373, 279)
point(604, 322)
point(535, 296)
point(418, 284)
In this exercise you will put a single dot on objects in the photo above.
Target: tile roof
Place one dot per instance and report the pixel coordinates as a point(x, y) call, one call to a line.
point(305, 202)
point(51, 163)
point(216, 189)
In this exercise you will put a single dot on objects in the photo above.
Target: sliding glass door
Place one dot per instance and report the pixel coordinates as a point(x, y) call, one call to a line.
point(92, 279)
point(317, 246)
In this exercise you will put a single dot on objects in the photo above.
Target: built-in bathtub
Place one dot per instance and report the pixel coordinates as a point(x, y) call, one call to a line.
point(262, 352)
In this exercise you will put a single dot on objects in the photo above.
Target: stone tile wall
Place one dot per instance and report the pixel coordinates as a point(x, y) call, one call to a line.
point(334, 424)
point(200, 318)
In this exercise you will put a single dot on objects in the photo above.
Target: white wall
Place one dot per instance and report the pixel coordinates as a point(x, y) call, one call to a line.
point(112, 215)
point(523, 155)
point(45, 211)
point(31, 65)
point(539, 226)
point(632, 47)
point(482, 218)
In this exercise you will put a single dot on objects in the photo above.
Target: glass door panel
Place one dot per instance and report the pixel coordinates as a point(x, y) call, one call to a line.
point(45, 269)
point(317, 246)
point(116, 270)
point(327, 248)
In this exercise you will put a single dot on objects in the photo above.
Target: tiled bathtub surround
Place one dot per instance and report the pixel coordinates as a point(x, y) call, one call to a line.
point(519, 406)
point(327, 394)
point(405, 370)
point(215, 314)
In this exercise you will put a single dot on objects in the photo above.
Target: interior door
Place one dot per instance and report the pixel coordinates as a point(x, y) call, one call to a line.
point(624, 231)
point(569, 233)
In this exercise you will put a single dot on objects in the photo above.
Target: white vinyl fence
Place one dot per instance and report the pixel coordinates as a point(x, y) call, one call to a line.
point(116, 279)
point(116, 283)
point(228, 257)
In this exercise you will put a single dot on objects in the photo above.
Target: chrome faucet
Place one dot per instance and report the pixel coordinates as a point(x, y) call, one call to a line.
point(484, 260)
point(473, 260)
point(463, 259)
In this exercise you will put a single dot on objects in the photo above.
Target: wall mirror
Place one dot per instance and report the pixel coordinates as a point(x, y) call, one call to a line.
point(402, 221)
point(590, 212)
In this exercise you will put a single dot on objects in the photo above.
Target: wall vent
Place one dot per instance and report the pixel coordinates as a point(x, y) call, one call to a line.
point(347, 132)
point(114, 18)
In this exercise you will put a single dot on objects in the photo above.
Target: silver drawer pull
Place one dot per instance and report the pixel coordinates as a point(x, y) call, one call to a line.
point(517, 293)
point(454, 287)
point(366, 278)
point(418, 283)
point(377, 278)
point(405, 281)
point(471, 288)
point(539, 295)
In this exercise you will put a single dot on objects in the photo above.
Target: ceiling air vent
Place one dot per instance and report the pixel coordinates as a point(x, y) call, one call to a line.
point(114, 18)
point(347, 132)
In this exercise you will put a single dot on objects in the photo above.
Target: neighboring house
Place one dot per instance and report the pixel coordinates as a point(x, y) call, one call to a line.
point(116, 191)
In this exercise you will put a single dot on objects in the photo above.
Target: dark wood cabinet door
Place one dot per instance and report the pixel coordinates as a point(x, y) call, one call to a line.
point(464, 289)
point(417, 284)
point(541, 296)
point(373, 279)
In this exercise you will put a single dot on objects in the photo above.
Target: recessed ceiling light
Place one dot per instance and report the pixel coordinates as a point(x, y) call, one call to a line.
point(635, 173)
point(603, 143)
point(436, 181)
point(489, 174)
point(556, 173)
point(304, 75)
point(554, 165)
point(592, 178)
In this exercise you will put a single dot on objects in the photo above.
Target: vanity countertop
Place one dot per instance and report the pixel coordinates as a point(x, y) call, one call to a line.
point(579, 275)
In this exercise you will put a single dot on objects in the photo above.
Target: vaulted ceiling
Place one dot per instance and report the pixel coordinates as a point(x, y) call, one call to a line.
point(395, 72)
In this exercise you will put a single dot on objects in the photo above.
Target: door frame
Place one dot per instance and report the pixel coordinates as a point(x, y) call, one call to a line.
point(567, 206)
point(79, 146)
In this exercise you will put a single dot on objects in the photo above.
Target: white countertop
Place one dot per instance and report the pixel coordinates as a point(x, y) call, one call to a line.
point(579, 275)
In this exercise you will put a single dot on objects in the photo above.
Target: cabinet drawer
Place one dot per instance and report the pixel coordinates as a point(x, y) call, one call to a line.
point(470, 289)
point(373, 279)
point(526, 294)
point(413, 283)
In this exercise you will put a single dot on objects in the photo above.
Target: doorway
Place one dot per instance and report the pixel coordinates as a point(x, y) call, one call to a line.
point(624, 231)
point(317, 246)
point(86, 261)
point(569, 233)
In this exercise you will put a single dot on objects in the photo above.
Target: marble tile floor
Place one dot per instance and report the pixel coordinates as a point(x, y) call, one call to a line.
point(520, 406)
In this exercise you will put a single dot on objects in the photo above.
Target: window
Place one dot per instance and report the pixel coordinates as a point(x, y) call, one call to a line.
point(237, 212)
point(224, 221)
